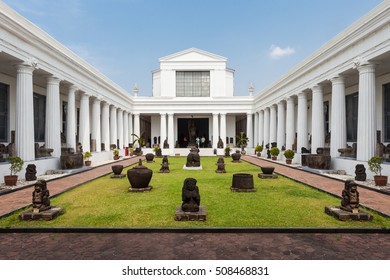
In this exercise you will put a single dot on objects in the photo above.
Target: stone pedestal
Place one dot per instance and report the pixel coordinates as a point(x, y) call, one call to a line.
point(148, 189)
point(46, 215)
point(192, 168)
point(267, 176)
point(119, 176)
point(318, 161)
point(180, 215)
point(343, 215)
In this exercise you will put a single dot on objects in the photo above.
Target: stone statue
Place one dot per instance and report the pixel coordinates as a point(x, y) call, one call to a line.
point(220, 143)
point(190, 196)
point(360, 172)
point(166, 145)
point(31, 171)
point(164, 165)
point(220, 165)
point(192, 131)
point(193, 158)
point(350, 197)
point(40, 197)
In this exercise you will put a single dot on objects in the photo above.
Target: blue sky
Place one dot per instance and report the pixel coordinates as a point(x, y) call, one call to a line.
point(262, 39)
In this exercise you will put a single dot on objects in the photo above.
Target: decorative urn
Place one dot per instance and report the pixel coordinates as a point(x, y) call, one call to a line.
point(139, 176)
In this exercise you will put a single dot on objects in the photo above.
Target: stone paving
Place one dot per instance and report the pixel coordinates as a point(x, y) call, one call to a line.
point(206, 245)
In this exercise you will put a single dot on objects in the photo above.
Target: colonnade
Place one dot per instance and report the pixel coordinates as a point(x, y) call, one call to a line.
point(279, 122)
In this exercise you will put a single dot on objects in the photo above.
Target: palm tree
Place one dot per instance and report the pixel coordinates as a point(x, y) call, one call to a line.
point(242, 140)
point(139, 139)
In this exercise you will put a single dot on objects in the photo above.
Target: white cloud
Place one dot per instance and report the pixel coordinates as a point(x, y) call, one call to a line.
point(277, 52)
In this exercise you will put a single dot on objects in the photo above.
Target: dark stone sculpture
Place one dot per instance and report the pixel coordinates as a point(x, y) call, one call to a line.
point(348, 151)
point(149, 157)
point(220, 165)
point(236, 156)
point(40, 197)
point(117, 170)
point(190, 196)
point(166, 145)
point(193, 158)
point(242, 182)
point(350, 197)
point(164, 165)
point(71, 160)
point(360, 172)
point(139, 177)
point(31, 171)
point(220, 143)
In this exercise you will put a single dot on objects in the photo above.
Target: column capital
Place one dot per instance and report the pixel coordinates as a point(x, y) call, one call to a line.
point(290, 99)
point(170, 114)
point(338, 79)
point(53, 80)
point(366, 68)
point(281, 102)
point(302, 95)
point(72, 88)
point(24, 68)
point(317, 89)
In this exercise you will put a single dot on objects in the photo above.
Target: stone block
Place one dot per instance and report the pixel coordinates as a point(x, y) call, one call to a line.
point(343, 215)
point(148, 189)
point(267, 176)
point(46, 215)
point(180, 215)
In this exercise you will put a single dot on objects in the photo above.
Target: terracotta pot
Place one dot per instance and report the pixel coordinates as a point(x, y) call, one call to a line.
point(380, 180)
point(116, 157)
point(117, 169)
point(258, 154)
point(149, 157)
point(288, 161)
point(236, 156)
point(87, 163)
point(10, 180)
point(267, 169)
point(242, 181)
point(274, 158)
point(139, 176)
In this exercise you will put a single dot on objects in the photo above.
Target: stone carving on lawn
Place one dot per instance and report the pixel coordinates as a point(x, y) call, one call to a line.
point(220, 165)
point(164, 165)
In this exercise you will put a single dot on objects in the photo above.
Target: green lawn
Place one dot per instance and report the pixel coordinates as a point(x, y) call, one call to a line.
point(281, 202)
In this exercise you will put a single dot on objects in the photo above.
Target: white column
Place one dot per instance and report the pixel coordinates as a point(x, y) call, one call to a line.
point(106, 126)
point(84, 122)
point(318, 125)
point(266, 130)
point(120, 128)
point(24, 128)
point(215, 130)
point(366, 132)
point(249, 129)
point(95, 128)
point(171, 135)
point(137, 130)
point(302, 141)
point(281, 134)
point(113, 126)
point(53, 120)
point(131, 131)
point(338, 126)
point(261, 127)
point(163, 128)
point(290, 128)
point(71, 119)
point(256, 130)
point(272, 128)
point(223, 127)
point(126, 129)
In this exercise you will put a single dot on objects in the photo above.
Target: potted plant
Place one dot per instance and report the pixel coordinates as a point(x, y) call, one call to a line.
point(227, 151)
point(116, 154)
point(16, 166)
point(141, 142)
point(242, 141)
point(274, 152)
point(157, 151)
point(87, 155)
point(374, 164)
point(258, 150)
point(289, 155)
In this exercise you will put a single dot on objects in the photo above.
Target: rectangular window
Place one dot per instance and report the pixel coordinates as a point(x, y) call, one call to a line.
point(386, 112)
point(351, 102)
point(4, 112)
point(39, 117)
point(192, 84)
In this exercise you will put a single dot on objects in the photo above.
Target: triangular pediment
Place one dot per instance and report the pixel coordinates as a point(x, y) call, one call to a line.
point(192, 55)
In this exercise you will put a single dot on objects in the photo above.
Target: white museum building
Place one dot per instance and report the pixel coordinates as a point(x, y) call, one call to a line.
point(338, 98)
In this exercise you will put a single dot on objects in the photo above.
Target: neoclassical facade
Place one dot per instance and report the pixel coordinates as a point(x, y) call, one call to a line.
point(338, 97)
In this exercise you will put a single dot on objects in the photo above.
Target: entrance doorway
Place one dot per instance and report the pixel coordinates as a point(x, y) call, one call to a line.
point(188, 130)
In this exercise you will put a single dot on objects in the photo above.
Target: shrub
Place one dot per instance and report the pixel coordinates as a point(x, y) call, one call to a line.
point(274, 151)
point(289, 154)
point(259, 148)
point(87, 155)
point(374, 164)
point(16, 164)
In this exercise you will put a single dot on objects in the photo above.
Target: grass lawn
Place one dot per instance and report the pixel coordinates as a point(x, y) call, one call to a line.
point(281, 202)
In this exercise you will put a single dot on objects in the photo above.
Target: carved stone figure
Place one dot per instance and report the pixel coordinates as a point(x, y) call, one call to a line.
point(40, 197)
point(193, 158)
point(360, 172)
point(192, 131)
point(220, 143)
point(190, 196)
point(350, 197)
point(31, 171)
point(164, 165)
point(166, 145)
point(220, 165)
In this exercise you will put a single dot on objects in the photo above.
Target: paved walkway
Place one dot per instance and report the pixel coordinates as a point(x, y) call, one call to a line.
point(195, 245)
